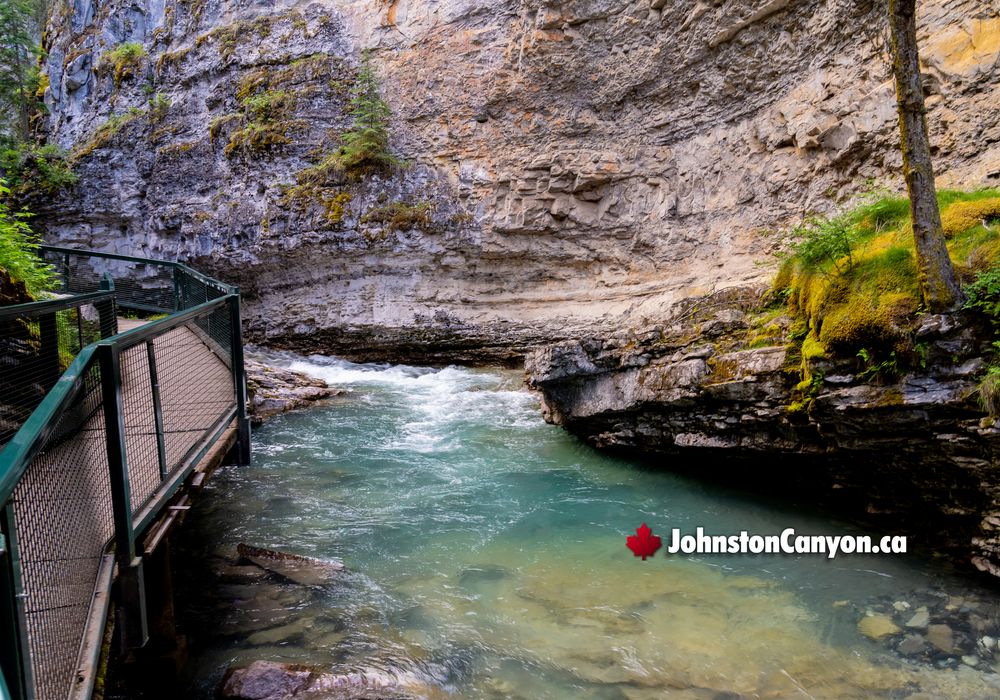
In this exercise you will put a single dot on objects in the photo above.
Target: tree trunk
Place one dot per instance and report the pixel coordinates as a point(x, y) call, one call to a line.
point(938, 285)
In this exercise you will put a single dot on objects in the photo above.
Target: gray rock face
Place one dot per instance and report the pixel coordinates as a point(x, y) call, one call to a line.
point(583, 164)
point(916, 452)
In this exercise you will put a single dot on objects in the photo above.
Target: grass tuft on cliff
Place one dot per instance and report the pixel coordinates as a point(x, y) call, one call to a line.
point(851, 279)
point(125, 59)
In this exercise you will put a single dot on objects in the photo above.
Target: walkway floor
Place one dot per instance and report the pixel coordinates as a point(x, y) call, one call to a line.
point(62, 505)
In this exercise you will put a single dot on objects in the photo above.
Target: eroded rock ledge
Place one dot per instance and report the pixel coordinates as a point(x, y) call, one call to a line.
point(274, 390)
point(916, 454)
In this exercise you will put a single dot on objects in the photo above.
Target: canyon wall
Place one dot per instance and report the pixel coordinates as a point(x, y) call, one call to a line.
point(574, 166)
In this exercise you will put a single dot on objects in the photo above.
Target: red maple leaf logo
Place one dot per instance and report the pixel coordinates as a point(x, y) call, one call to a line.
point(643, 543)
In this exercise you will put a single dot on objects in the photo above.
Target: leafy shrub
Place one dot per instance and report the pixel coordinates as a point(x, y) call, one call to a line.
point(18, 250)
point(989, 391)
point(823, 243)
point(31, 168)
point(983, 295)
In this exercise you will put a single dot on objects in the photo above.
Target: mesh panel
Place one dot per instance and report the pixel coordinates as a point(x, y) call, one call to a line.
point(196, 386)
point(63, 516)
point(35, 350)
point(192, 290)
point(196, 391)
point(141, 451)
point(62, 505)
point(145, 286)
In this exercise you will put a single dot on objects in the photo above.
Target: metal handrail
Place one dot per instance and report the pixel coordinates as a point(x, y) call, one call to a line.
point(37, 308)
point(29, 439)
point(40, 427)
point(201, 277)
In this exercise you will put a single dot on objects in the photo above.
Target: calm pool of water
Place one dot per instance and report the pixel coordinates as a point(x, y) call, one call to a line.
point(485, 558)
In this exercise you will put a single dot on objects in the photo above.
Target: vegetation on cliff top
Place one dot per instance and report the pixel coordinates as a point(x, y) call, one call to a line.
point(20, 77)
point(29, 167)
point(851, 280)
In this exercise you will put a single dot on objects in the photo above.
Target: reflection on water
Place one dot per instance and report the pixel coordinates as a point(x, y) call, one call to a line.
point(486, 558)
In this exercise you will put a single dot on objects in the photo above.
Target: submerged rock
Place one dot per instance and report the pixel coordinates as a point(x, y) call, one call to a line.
point(270, 680)
point(282, 634)
point(264, 680)
point(877, 626)
point(307, 571)
point(921, 618)
point(942, 637)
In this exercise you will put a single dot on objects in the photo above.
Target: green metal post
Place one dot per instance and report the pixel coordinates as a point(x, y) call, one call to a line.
point(65, 286)
point(131, 588)
point(49, 337)
point(239, 382)
point(178, 291)
point(154, 383)
point(15, 658)
point(106, 311)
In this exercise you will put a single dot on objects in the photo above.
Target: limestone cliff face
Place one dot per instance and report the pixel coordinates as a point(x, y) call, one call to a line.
point(575, 162)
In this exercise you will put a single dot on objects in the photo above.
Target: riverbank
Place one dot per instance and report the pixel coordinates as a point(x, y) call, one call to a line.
point(915, 453)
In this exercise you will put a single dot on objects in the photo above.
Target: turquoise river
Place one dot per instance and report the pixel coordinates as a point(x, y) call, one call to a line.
point(485, 557)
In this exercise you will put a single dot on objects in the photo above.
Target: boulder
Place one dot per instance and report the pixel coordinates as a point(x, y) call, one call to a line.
point(264, 680)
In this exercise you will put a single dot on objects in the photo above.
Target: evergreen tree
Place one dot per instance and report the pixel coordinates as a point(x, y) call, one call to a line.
point(18, 67)
point(365, 146)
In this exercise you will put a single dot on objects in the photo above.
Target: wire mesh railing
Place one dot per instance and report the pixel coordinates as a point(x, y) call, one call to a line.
point(103, 452)
point(153, 286)
point(38, 342)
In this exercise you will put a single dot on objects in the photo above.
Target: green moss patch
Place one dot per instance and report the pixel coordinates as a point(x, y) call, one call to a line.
point(851, 279)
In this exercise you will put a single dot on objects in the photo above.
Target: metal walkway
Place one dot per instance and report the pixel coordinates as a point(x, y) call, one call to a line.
point(102, 451)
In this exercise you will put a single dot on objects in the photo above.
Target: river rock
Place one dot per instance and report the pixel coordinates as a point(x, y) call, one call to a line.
point(264, 680)
point(307, 571)
point(282, 634)
point(911, 645)
point(877, 626)
point(273, 390)
point(234, 573)
point(921, 618)
point(270, 680)
point(941, 636)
